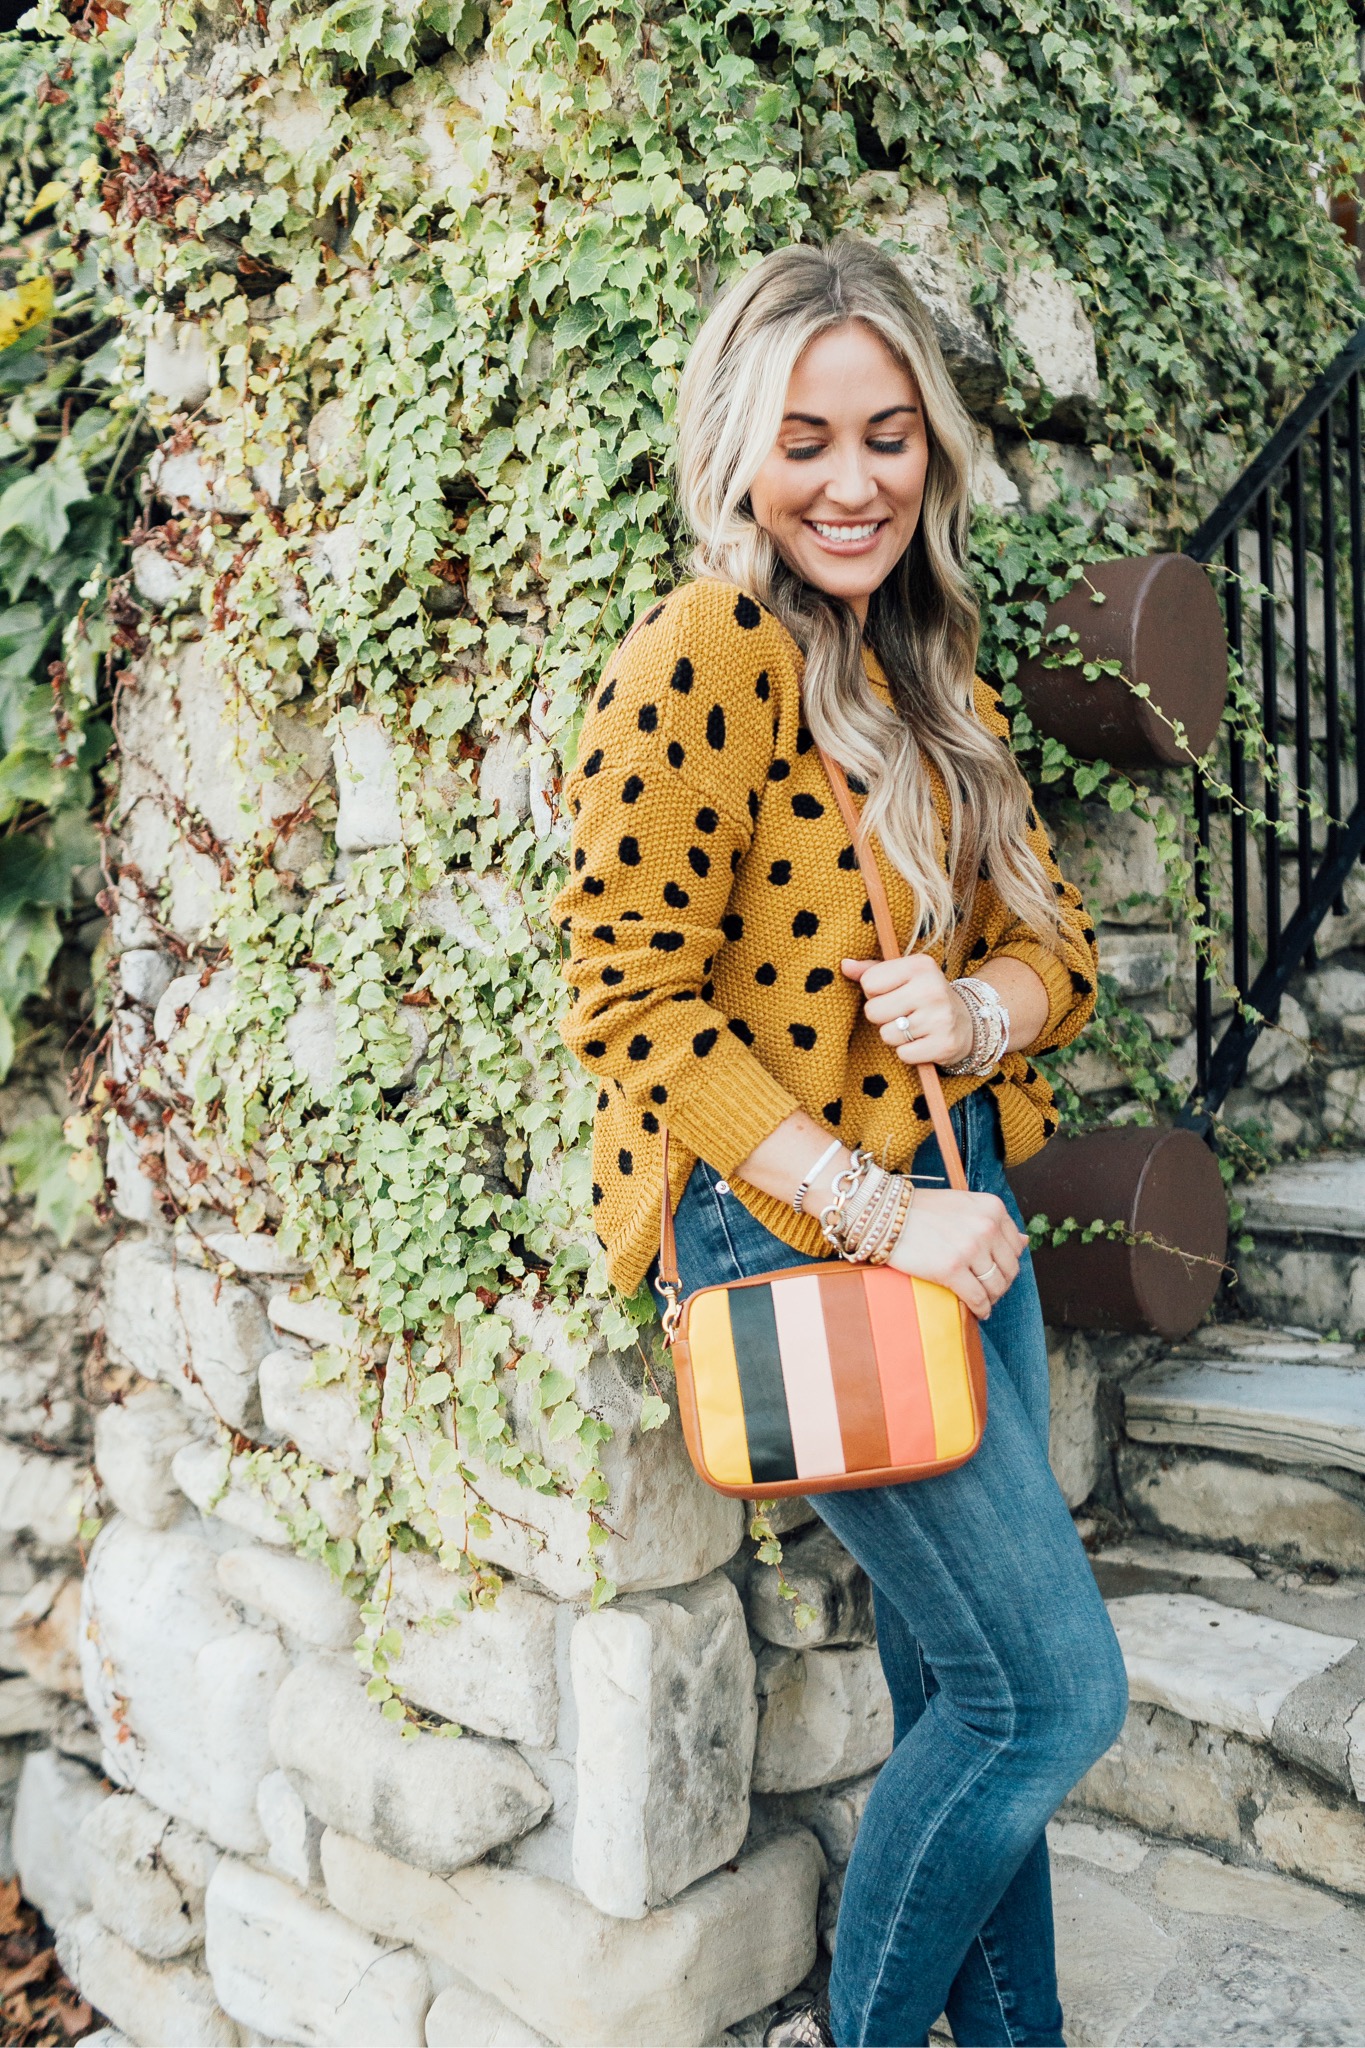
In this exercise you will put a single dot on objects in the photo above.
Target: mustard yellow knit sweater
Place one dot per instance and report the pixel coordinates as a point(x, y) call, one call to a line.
point(713, 894)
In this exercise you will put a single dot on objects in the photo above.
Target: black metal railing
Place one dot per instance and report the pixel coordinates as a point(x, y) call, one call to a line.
point(1279, 818)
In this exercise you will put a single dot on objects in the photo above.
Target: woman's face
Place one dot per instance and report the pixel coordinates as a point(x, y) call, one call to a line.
point(841, 491)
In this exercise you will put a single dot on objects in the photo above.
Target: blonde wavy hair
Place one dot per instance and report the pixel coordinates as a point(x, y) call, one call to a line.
point(922, 622)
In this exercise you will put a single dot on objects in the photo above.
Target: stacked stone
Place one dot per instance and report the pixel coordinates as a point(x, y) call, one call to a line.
point(50, 1373)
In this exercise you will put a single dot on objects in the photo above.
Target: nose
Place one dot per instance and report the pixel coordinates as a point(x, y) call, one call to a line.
point(851, 485)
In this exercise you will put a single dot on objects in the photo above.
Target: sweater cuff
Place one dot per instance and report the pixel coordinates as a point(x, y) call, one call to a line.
point(1054, 975)
point(738, 1107)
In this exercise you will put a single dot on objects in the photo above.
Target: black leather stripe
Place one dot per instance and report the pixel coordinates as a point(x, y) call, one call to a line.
point(753, 1328)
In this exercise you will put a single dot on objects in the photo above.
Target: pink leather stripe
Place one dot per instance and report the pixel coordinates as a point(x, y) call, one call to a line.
point(900, 1361)
point(811, 1407)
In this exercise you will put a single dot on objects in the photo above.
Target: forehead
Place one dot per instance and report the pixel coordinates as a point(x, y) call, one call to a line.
point(848, 370)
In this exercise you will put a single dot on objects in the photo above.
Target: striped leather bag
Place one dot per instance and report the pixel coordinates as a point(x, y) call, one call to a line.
point(820, 1377)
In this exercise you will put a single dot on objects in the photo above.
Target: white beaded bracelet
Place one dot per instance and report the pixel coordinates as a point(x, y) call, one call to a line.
point(804, 1187)
point(990, 1027)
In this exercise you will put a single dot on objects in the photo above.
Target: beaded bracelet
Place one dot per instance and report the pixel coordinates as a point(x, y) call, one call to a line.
point(990, 1027)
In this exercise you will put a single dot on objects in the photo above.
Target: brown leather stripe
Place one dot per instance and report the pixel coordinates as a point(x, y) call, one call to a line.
point(853, 1364)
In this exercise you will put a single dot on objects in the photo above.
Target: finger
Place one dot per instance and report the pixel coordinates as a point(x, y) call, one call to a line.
point(855, 969)
point(880, 975)
point(900, 1001)
point(934, 1050)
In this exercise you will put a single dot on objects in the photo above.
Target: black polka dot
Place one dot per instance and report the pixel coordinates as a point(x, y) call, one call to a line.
point(593, 885)
point(596, 1194)
point(699, 862)
point(856, 784)
point(818, 978)
point(593, 762)
point(1088, 934)
point(765, 975)
point(780, 873)
point(1030, 1072)
point(595, 1048)
point(681, 678)
point(715, 727)
point(867, 914)
point(735, 859)
point(708, 964)
point(1032, 818)
point(875, 1085)
point(674, 897)
point(640, 1047)
point(708, 989)
point(629, 851)
point(602, 1098)
point(747, 613)
point(649, 1122)
point(1059, 888)
point(802, 1035)
point(753, 804)
point(804, 741)
point(732, 924)
point(676, 754)
point(647, 717)
point(632, 789)
point(703, 1042)
point(805, 924)
point(920, 1108)
point(658, 1093)
point(848, 860)
point(630, 917)
point(657, 613)
point(580, 860)
point(666, 942)
point(1080, 984)
point(807, 806)
point(605, 933)
point(612, 976)
point(606, 696)
point(761, 686)
point(979, 950)
point(833, 1112)
point(683, 995)
point(741, 1031)
point(707, 819)
point(1049, 1123)
point(779, 771)
point(624, 1161)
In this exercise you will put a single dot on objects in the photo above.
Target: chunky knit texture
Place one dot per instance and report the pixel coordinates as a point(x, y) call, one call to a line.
point(714, 893)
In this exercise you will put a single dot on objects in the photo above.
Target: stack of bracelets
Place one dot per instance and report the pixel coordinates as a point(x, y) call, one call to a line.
point(990, 1027)
point(870, 1235)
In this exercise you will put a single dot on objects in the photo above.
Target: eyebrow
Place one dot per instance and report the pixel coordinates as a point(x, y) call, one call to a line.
point(811, 419)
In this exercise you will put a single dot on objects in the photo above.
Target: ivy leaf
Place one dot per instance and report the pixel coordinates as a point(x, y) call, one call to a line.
point(37, 505)
point(653, 1412)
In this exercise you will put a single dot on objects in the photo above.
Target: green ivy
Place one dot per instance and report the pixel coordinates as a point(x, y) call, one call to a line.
point(480, 315)
point(66, 501)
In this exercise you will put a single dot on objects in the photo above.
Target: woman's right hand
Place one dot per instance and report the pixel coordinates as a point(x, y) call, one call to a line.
point(968, 1242)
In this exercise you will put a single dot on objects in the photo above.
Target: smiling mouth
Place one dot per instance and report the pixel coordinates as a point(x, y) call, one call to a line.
point(850, 535)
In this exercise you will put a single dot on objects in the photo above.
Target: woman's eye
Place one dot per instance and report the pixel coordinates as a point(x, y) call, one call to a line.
point(807, 453)
point(887, 447)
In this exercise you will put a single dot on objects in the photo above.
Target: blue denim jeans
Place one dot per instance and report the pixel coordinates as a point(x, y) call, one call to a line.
point(1005, 1675)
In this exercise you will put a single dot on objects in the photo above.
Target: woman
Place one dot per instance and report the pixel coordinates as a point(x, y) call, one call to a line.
point(719, 937)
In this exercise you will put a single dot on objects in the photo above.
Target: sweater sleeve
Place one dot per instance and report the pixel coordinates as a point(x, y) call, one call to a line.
point(1068, 968)
point(663, 799)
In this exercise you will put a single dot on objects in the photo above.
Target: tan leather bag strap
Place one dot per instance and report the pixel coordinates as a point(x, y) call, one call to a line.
point(889, 946)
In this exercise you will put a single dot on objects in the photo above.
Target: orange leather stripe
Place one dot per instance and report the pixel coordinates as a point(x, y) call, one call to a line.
point(891, 1304)
point(857, 1386)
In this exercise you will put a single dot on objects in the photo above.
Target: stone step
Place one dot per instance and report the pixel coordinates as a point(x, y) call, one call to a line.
point(1207, 1426)
point(1246, 1730)
point(1306, 1219)
point(1314, 1197)
point(1166, 1945)
point(1290, 1403)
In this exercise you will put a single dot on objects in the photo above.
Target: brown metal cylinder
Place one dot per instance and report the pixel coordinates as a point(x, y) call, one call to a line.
point(1161, 620)
point(1159, 1184)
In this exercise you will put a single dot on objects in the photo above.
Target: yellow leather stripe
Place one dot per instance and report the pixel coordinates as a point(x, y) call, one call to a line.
point(945, 1368)
point(715, 1379)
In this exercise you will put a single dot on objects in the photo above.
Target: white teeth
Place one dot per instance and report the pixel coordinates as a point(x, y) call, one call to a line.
point(827, 532)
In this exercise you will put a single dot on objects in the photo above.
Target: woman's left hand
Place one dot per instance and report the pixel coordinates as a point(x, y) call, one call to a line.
point(916, 1009)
